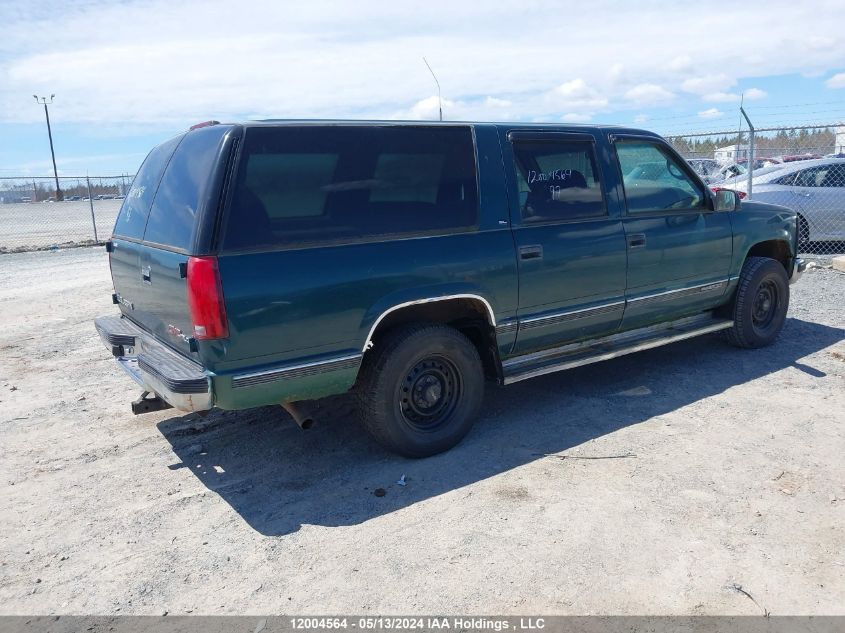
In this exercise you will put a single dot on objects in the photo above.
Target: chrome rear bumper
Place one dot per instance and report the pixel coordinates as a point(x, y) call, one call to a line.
point(176, 379)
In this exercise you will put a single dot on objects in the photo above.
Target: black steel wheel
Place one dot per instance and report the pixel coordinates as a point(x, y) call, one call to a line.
point(429, 393)
point(765, 306)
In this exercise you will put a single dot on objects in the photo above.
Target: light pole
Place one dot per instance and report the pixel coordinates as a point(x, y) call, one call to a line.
point(43, 100)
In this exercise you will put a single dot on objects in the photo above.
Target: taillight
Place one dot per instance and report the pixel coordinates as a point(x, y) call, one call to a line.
point(741, 194)
point(205, 299)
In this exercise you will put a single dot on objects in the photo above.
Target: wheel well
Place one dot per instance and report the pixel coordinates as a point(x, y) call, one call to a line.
point(471, 317)
point(774, 249)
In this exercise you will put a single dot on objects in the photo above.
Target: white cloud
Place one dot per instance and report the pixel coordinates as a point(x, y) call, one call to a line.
point(576, 94)
point(681, 63)
point(429, 108)
point(837, 81)
point(576, 117)
point(751, 94)
point(489, 108)
point(648, 94)
point(641, 118)
point(493, 102)
point(707, 84)
point(711, 113)
point(164, 63)
point(721, 97)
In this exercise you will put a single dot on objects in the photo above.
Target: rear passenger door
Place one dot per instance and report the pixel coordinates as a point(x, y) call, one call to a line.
point(570, 250)
point(821, 197)
point(679, 248)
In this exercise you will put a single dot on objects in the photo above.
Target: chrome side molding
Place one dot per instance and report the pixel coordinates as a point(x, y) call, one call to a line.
point(299, 370)
point(488, 307)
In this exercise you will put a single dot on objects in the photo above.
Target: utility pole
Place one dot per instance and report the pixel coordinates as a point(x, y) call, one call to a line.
point(750, 150)
point(43, 100)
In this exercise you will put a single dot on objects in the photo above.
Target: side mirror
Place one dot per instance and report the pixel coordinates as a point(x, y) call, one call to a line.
point(726, 200)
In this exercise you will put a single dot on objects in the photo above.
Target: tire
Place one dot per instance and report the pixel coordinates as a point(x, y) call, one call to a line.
point(420, 389)
point(803, 235)
point(760, 304)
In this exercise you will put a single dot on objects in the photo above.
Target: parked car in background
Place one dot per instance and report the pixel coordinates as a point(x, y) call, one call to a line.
point(793, 158)
point(731, 170)
point(707, 168)
point(815, 189)
point(760, 162)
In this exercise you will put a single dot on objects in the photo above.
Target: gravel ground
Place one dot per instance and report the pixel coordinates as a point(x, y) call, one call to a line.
point(730, 473)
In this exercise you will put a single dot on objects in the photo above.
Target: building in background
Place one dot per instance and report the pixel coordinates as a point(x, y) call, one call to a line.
point(730, 153)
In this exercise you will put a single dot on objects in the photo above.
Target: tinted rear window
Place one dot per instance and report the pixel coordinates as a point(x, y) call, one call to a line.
point(327, 184)
point(136, 207)
point(174, 211)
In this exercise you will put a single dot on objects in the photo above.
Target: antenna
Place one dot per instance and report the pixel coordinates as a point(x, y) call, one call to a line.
point(439, 99)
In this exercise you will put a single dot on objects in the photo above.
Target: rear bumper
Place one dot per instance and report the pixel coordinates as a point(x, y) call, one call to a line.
point(179, 381)
point(798, 269)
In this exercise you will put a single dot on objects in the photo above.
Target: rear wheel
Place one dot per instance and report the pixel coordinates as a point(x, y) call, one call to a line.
point(420, 389)
point(761, 302)
point(803, 234)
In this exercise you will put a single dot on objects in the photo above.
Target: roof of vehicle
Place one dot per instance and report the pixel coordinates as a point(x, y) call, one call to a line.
point(428, 123)
point(766, 174)
point(786, 168)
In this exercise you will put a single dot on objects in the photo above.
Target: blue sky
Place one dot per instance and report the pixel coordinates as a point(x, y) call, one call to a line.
point(129, 74)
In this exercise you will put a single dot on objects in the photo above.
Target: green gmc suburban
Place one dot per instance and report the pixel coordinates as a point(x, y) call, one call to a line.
point(281, 262)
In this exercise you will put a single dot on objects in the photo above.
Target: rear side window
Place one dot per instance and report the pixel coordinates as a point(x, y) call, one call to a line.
point(821, 176)
point(557, 180)
point(307, 185)
point(173, 215)
point(136, 207)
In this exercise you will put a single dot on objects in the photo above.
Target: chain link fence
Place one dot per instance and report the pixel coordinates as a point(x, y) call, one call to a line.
point(800, 167)
point(34, 217)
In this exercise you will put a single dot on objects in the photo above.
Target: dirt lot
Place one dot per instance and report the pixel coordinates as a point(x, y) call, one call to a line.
point(736, 478)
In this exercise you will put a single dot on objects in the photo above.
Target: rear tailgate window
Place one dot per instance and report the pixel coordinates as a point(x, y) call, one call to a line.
point(132, 218)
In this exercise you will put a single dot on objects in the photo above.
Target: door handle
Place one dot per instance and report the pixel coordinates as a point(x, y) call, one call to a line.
point(637, 240)
point(534, 251)
point(145, 274)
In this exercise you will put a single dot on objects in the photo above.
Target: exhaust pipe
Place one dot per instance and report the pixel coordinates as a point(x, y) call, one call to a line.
point(301, 413)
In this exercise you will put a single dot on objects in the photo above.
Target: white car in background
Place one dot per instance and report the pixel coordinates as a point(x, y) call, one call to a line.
point(815, 189)
point(707, 168)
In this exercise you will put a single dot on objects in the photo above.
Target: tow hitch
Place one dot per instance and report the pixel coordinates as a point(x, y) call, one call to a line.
point(146, 404)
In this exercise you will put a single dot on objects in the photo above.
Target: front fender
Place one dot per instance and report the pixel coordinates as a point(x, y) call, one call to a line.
point(756, 222)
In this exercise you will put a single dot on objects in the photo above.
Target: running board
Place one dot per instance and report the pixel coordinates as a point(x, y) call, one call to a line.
point(593, 351)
